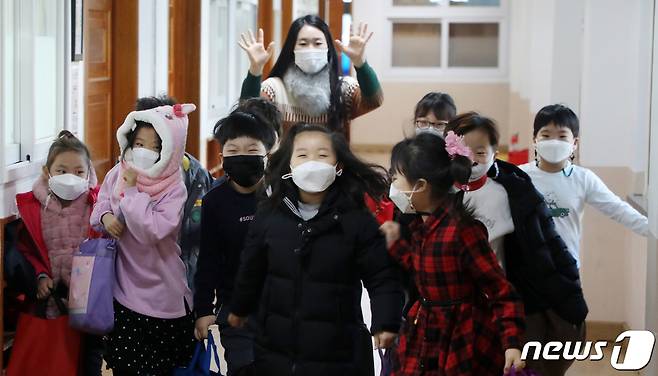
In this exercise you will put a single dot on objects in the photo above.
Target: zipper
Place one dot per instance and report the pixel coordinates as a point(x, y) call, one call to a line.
point(297, 298)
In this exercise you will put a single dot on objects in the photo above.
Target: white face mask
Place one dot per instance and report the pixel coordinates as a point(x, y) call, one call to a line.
point(555, 151)
point(401, 200)
point(430, 130)
point(311, 60)
point(144, 158)
point(313, 176)
point(481, 169)
point(68, 186)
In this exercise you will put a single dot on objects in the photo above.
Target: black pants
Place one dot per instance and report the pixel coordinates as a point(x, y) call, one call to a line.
point(91, 357)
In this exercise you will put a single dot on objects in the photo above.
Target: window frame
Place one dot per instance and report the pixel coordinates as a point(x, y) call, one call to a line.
point(445, 14)
point(11, 151)
point(25, 88)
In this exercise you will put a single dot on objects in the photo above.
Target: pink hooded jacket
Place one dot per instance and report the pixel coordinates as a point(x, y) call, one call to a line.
point(150, 273)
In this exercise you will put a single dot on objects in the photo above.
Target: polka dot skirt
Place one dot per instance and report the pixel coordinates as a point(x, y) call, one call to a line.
point(147, 345)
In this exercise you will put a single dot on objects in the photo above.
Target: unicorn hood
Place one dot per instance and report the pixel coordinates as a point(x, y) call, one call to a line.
point(170, 122)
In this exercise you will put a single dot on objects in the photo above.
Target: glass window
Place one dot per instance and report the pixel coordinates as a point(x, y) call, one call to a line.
point(475, 3)
point(304, 7)
point(7, 75)
point(473, 45)
point(218, 71)
point(246, 18)
point(45, 68)
point(416, 2)
point(416, 44)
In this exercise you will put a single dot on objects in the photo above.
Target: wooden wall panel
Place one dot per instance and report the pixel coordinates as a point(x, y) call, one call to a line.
point(125, 33)
point(184, 60)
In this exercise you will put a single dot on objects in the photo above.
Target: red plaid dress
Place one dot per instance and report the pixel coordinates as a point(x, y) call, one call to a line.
point(468, 313)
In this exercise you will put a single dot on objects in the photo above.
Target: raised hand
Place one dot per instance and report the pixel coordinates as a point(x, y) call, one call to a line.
point(356, 49)
point(256, 51)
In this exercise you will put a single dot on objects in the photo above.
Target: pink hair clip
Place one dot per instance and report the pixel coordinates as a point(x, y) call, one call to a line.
point(455, 146)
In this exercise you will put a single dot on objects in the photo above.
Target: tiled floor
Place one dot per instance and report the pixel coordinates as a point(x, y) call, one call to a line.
point(584, 368)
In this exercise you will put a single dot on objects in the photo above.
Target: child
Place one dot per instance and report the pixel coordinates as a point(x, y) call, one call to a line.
point(141, 203)
point(55, 218)
point(307, 251)
point(198, 182)
point(522, 234)
point(268, 111)
point(567, 187)
point(245, 139)
point(306, 82)
point(468, 320)
point(431, 115)
point(433, 112)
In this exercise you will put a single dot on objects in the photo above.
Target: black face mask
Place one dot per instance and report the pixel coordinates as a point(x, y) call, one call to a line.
point(245, 170)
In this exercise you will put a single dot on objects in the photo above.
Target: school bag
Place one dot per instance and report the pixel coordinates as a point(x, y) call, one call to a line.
point(91, 299)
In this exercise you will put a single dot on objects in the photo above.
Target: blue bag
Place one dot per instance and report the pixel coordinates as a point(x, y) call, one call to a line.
point(200, 364)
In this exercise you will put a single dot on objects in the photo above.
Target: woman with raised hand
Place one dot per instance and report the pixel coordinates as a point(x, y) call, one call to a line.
point(306, 82)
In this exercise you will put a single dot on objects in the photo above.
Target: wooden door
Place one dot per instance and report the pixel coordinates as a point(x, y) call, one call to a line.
point(184, 62)
point(98, 80)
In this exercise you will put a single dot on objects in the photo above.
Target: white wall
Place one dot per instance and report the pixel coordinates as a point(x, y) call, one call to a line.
point(615, 88)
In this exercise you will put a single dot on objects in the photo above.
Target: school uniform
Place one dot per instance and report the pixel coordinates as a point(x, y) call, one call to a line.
point(308, 273)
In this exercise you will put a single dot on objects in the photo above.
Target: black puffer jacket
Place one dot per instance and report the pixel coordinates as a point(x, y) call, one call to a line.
point(310, 273)
point(537, 261)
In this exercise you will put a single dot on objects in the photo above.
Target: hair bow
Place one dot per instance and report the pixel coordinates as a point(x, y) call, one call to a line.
point(455, 146)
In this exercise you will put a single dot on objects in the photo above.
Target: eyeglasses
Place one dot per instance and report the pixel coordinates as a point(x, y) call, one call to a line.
point(424, 124)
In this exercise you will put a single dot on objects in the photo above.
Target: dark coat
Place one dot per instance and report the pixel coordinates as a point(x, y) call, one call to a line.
point(310, 273)
point(537, 261)
point(198, 182)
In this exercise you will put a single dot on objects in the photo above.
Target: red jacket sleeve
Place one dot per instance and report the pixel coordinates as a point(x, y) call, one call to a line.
point(34, 256)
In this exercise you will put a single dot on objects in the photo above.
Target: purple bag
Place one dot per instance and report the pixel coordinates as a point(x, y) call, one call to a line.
point(91, 296)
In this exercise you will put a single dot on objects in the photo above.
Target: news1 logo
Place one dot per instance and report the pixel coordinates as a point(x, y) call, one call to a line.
point(638, 351)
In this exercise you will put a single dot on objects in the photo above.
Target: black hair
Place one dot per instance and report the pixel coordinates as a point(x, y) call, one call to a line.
point(147, 103)
point(472, 121)
point(132, 135)
point(66, 141)
point(357, 179)
point(241, 123)
point(440, 104)
point(266, 109)
point(425, 157)
point(336, 113)
point(558, 114)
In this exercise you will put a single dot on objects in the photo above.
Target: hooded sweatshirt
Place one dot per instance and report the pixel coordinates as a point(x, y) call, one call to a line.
point(150, 274)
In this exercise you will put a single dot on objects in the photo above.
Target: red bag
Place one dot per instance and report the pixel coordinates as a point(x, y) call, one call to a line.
point(44, 347)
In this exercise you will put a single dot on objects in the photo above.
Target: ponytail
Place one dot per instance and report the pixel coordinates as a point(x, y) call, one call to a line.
point(66, 141)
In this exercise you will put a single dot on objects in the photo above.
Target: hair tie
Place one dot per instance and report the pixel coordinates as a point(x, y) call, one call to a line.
point(455, 146)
